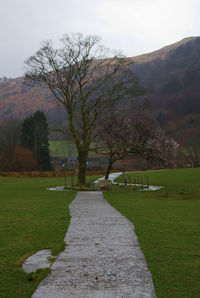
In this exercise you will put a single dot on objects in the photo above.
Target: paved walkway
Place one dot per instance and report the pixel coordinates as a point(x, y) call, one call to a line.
point(102, 258)
point(113, 176)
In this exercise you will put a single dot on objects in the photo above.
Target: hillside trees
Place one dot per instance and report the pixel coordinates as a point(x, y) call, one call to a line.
point(35, 138)
point(85, 81)
point(190, 139)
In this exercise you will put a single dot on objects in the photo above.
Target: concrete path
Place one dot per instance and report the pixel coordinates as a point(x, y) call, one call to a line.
point(102, 257)
point(113, 176)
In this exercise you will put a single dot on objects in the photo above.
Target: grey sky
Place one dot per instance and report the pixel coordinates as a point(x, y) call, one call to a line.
point(133, 26)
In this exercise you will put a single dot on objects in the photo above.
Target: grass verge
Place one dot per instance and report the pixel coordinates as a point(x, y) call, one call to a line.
point(167, 223)
point(31, 219)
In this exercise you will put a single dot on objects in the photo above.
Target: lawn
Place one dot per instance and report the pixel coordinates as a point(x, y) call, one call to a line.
point(62, 148)
point(31, 219)
point(167, 223)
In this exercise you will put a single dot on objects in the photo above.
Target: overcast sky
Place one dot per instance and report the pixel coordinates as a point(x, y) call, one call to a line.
point(133, 26)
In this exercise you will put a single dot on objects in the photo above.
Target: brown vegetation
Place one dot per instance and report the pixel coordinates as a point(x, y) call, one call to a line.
point(16, 159)
point(59, 173)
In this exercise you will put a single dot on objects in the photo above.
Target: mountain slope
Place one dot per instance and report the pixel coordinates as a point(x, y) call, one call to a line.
point(163, 52)
point(18, 100)
point(170, 75)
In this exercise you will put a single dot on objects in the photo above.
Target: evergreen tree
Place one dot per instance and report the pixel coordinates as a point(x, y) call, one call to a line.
point(35, 137)
point(27, 136)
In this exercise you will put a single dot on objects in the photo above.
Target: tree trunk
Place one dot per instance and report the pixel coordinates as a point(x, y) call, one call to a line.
point(111, 161)
point(82, 158)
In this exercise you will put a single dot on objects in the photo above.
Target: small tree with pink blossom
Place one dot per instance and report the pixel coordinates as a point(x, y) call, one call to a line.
point(119, 136)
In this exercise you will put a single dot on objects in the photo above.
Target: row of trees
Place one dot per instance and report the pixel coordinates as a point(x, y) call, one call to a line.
point(89, 81)
point(24, 146)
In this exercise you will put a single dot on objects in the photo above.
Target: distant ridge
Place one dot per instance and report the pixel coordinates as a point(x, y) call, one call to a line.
point(161, 53)
point(170, 75)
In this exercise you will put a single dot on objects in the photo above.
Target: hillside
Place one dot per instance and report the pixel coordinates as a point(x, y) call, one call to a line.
point(170, 75)
point(172, 79)
point(18, 100)
point(163, 52)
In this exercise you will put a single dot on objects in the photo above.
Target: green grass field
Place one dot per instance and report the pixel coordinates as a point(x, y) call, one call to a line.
point(167, 223)
point(31, 219)
point(62, 149)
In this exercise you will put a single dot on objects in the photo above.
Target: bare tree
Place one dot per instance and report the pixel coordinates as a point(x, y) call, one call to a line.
point(85, 81)
point(119, 136)
point(113, 138)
